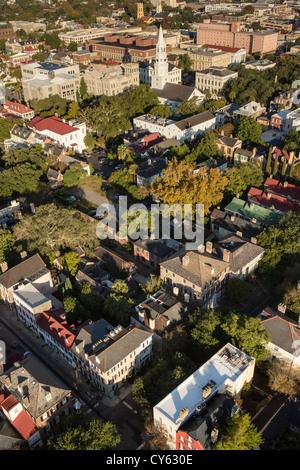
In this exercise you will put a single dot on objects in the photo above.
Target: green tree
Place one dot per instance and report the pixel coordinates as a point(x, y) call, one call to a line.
point(242, 176)
point(249, 131)
point(72, 261)
point(202, 325)
point(55, 104)
point(185, 63)
point(6, 244)
point(283, 169)
point(83, 88)
point(161, 111)
point(247, 334)
point(206, 147)
point(72, 46)
point(53, 228)
point(17, 73)
point(120, 308)
point(120, 287)
point(281, 241)
point(275, 166)
point(78, 433)
point(139, 395)
point(187, 108)
point(239, 434)
point(74, 175)
point(269, 161)
point(153, 285)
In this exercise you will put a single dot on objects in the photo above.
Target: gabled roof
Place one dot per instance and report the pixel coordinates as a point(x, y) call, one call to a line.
point(233, 224)
point(151, 168)
point(284, 331)
point(195, 120)
point(27, 268)
point(288, 191)
point(241, 251)
point(57, 328)
point(173, 91)
point(29, 379)
point(261, 214)
point(23, 423)
point(53, 124)
point(272, 201)
point(17, 107)
point(195, 267)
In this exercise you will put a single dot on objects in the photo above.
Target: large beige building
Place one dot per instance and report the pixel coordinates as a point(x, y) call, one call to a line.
point(204, 57)
point(214, 79)
point(111, 80)
point(41, 80)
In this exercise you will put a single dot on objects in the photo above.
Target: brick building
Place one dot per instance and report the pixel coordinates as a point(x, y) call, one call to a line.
point(234, 35)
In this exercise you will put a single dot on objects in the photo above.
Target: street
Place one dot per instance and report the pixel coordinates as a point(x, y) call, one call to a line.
point(120, 411)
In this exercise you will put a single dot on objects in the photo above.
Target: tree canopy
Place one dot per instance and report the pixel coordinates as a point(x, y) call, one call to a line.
point(179, 184)
point(239, 434)
point(53, 228)
point(242, 176)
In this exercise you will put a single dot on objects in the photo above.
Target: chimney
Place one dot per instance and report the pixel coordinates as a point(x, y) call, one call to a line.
point(285, 184)
point(239, 234)
point(209, 247)
point(185, 260)
point(7, 381)
point(232, 218)
point(269, 195)
point(281, 308)
point(23, 254)
point(201, 248)
point(254, 220)
point(226, 255)
point(251, 205)
point(183, 413)
point(4, 267)
point(253, 240)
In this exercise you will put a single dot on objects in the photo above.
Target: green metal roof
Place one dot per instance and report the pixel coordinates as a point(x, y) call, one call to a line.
point(261, 214)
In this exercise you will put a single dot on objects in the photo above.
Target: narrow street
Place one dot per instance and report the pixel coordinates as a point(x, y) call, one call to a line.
point(123, 415)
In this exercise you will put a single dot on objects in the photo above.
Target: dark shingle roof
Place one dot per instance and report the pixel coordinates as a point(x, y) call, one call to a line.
point(26, 269)
point(151, 168)
point(282, 329)
point(219, 409)
point(194, 120)
point(175, 92)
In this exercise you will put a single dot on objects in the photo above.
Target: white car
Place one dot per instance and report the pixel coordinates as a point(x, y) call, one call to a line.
point(71, 198)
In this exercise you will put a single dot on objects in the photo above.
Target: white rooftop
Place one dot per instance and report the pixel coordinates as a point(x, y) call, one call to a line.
point(30, 295)
point(228, 363)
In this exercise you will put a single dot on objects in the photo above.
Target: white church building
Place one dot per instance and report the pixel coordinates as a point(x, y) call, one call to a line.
point(159, 72)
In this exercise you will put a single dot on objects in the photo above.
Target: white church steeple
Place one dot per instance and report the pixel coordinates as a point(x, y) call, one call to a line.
point(161, 67)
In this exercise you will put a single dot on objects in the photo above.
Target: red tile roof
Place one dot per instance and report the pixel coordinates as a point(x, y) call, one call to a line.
point(24, 424)
point(223, 48)
point(279, 203)
point(289, 191)
point(53, 124)
point(16, 107)
point(9, 403)
point(57, 328)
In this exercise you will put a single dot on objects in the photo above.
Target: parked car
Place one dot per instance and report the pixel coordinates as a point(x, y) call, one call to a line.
point(71, 198)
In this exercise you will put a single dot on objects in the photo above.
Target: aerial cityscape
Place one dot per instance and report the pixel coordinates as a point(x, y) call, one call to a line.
point(149, 227)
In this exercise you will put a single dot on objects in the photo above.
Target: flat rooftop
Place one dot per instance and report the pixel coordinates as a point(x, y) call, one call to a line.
point(30, 295)
point(228, 363)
